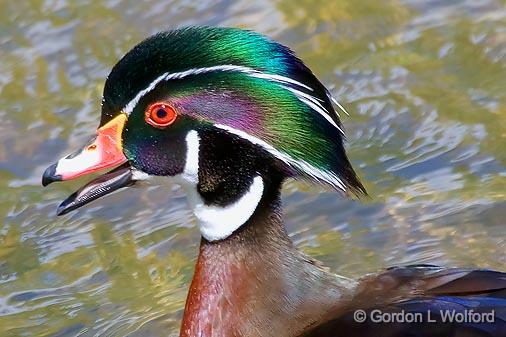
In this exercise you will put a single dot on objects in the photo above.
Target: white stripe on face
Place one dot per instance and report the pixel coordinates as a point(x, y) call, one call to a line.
point(131, 105)
point(302, 165)
point(216, 222)
point(309, 100)
point(191, 168)
point(315, 104)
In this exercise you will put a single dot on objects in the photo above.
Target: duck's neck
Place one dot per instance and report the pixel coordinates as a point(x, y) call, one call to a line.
point(256, 283)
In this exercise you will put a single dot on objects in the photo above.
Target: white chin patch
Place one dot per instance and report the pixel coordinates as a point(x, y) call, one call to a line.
point(139, 175)
point(216, 222)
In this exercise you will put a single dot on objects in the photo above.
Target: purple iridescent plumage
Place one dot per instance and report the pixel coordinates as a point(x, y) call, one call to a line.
point(249, 85)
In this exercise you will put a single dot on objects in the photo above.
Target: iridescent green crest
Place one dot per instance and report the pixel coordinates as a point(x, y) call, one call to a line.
point(244, 84)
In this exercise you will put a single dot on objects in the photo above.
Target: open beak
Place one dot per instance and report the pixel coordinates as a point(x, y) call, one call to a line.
point(104, 151)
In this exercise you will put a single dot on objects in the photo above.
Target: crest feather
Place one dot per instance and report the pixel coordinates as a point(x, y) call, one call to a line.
point(245, 84)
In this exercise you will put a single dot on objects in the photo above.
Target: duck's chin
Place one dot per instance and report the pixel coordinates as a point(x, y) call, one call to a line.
point(122, 176)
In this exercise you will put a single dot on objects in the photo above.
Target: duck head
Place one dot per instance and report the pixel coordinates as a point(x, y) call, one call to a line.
point(224, 111)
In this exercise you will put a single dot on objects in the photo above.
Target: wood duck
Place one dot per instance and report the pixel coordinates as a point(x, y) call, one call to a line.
point(230, 114)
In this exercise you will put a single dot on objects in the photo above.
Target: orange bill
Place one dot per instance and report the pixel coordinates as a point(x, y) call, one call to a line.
point(104, 151)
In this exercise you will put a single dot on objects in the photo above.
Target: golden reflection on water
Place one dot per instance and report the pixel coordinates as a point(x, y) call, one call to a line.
point(423, 81)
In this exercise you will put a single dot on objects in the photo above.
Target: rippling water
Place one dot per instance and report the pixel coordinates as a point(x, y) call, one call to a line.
point(425, 84)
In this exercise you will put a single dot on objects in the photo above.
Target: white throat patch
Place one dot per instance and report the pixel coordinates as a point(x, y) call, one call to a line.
point(216, 222)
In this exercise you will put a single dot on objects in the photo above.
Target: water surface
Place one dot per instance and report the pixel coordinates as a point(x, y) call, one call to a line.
point(424, 82)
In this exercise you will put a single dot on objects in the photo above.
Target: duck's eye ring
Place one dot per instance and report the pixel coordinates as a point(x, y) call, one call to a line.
point(160, 115)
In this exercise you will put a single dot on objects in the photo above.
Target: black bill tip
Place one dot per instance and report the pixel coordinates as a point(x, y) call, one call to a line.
point(50, 175)
point(66, 206)
point(105, 184)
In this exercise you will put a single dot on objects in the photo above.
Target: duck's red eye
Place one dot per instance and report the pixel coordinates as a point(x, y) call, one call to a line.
point(160, 115)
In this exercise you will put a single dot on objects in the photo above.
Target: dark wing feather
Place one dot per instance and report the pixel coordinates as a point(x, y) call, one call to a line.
point(423, 289)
